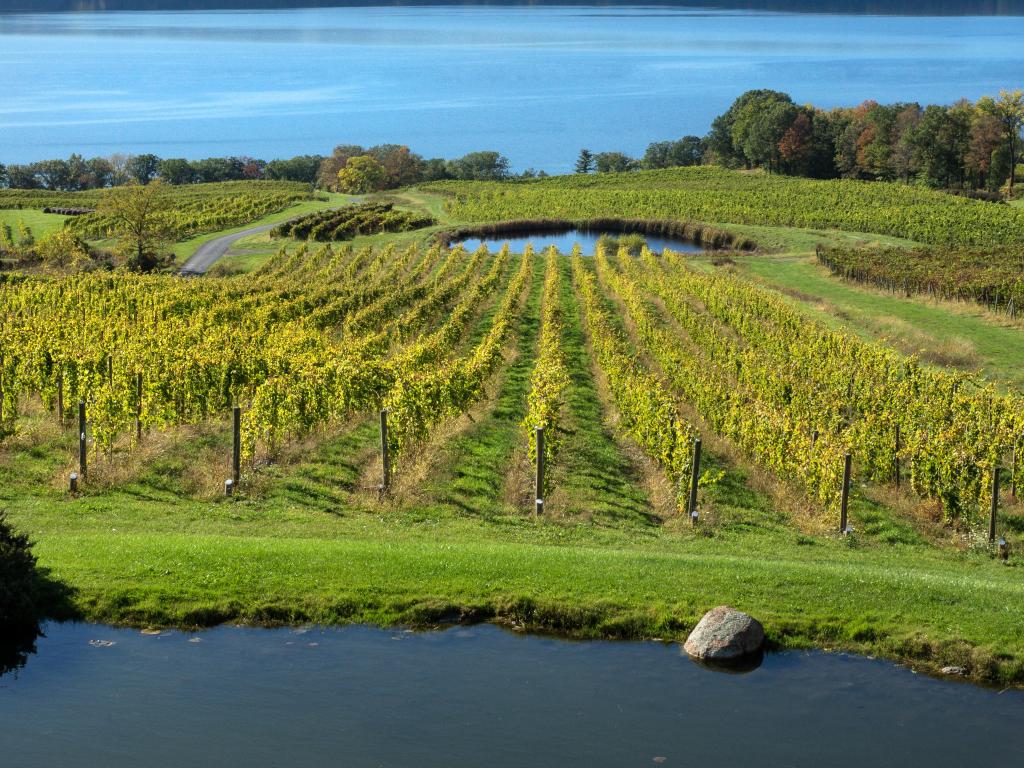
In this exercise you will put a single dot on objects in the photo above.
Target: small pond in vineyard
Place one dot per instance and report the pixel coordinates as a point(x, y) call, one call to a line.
point(94, 695)
point(564, 242)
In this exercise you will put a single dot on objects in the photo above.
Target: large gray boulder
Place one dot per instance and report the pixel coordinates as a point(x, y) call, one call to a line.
point(723, 634)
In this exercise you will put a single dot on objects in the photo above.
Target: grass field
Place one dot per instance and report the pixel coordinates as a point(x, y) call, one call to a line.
point(41, 224)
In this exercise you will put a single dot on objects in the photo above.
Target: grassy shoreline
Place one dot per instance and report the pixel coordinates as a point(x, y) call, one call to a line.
point(833, 600)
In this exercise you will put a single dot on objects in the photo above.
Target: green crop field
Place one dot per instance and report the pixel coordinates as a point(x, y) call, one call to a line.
point(623, 359)
point(716, 196)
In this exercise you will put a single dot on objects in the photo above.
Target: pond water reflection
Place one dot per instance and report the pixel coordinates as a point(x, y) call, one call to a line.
point(564, 242)
point(99, 696)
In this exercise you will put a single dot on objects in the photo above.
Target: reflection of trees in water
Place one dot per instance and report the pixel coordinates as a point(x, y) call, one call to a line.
point(26, 595)
point(16, 646)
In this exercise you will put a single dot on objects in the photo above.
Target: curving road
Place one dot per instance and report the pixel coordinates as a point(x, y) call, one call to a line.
point(209, 252)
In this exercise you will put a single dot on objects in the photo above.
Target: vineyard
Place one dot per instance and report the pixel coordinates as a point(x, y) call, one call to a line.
point(192, 209)
point(321, 335)
point(717, 196)
point(350, 222)
point(993, 277)
point(398, 374)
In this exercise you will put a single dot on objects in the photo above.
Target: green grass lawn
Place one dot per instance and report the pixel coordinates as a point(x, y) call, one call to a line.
point(41, 224)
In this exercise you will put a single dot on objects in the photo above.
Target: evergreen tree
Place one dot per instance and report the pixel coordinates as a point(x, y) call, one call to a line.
point(585, 162)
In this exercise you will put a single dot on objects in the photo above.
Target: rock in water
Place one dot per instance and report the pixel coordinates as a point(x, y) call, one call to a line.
point(725, 633)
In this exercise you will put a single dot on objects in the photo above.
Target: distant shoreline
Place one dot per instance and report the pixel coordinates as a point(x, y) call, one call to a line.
point(865, 7)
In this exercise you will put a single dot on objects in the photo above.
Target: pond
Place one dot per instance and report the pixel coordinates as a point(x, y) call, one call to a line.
point(564, 242)
point(98, 696)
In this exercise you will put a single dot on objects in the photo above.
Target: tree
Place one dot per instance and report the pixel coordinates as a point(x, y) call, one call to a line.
point(53, 174)
point(217, 169)
point(78, 173)
point(1009, 110)
point(479, 166)
point(906, 159)
point(689, 150)
point(941, 141)
point(585, 161)
point(139, 220)
point(986, 138)
point(435, 169)
point(62, 249)
point(142, 168)
point(614, 162)
point(361, 175)
point(301, 168)
point(176, 170)
point(725, 141)
point(758, 128)
point(99, 173)
point(22, 177)
point(797, 144)
point(253, 168)
point(327, 176)
point(403, 167)
point(3, 176)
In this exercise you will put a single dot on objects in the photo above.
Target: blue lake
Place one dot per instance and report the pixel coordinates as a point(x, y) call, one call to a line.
point(474, 696)
point(537, 83)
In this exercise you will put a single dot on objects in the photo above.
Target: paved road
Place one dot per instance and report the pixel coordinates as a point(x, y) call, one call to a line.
point(210, 251)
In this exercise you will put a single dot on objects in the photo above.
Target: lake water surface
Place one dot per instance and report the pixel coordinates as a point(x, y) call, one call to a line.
point(98, 696)
point(537, 83)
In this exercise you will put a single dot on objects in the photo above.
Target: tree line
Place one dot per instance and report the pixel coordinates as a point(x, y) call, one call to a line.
point(385, 166)
point(972, 146)
point(359, 170)
point(77, 173)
